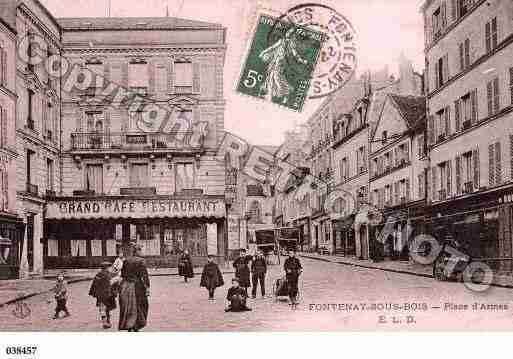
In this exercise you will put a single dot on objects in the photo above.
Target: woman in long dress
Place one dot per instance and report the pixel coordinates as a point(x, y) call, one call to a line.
point(134, 291)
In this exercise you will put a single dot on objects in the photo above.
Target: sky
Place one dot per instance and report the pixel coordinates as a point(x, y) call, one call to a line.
point(384, 29)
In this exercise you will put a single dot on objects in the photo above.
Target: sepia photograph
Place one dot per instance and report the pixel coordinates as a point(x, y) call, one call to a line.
point(254, 166)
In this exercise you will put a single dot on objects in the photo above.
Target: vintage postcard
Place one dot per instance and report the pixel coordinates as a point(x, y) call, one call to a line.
point(255, 166)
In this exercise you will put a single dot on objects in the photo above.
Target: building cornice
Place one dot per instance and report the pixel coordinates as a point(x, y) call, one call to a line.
point(141, 48)
point(47, 33)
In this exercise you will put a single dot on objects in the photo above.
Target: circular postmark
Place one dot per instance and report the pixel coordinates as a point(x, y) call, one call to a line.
point(337, 60)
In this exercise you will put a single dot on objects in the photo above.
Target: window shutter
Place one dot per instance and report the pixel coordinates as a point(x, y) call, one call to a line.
point(445, 68)
point(3, 115)
point(407, 151)
point(44, 113)
point(170, 74)
point(430, 130)
point(454, 10)
point(467, 53)
point(443, 12)
point(3, 119)
point(3, 54)
point(491, 165)
point(434, 181)
point(462, 58)
point(511, 83)
point(496, 95)
point(437, 80)
point(396, 157)
point(6, 190)
point(498, 166)
point(475, 157)
point(407, 184)
point(494, 33)
point(457, 115)
point(428, 184)
point(396, 192)
point(447, 114)
point(196, 77)
point(487, 38)
point(489, 96)
point(448, 169)
point(458, 174)
point(473, 103)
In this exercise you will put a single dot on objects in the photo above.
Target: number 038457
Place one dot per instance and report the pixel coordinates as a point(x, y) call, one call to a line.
point(21, 350)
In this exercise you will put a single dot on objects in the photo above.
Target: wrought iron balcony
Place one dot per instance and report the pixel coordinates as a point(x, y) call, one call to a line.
point(179, 141)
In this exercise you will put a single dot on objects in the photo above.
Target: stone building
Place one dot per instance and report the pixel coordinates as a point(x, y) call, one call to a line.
point(115, 145)
point(11, 220)
point(469, 46)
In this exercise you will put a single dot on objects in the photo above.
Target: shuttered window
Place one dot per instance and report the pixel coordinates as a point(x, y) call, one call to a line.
point(3, 67)
point(457, 112)
point(491, 38)
point(493, 96)
point(458, 175)
point(511, 84)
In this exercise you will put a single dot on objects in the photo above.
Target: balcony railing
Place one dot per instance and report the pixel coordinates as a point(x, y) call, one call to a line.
point(183, 89)
point(442, 194)
point(186, 140)
point(138, 191)
point(468, 187)
point(32, 189)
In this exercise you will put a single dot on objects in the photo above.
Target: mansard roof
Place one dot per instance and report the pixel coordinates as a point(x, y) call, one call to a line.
point(133, 23)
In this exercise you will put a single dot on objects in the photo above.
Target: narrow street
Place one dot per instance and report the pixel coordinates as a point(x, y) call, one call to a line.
point(178, 306)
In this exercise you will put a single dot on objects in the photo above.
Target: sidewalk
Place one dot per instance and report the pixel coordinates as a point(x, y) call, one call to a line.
point(389, 266)
point(402, 267)
point(15, 290)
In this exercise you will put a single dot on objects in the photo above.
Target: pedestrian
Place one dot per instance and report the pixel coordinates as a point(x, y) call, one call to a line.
point(185, 268)
point(134, 292)
point(61, 296)
point(293, 269)
point(237, 298)
point(101, 289)
point(258, 270)
point(211, 277)
point(241, 265)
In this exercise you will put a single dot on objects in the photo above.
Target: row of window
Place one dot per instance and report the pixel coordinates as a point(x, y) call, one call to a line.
point(139, 176)
point(185, 76)
point(441, 66)
point(465, 111)
point(440, 16)
point(392, 194)
point(384, 163)
point(49, 120)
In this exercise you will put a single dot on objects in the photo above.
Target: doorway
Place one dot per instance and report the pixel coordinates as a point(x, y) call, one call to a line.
point(30, 242)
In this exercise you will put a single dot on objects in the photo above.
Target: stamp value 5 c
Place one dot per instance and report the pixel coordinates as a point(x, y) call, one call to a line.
point(279, 64)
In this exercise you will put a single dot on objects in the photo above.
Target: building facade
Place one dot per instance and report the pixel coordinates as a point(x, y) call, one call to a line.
point(111, 137)
point(397, 173)
point(469, 103)
point(11, 223)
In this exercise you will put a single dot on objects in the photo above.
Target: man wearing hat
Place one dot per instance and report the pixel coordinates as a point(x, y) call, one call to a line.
point(293, 269)
point(236, 297)
point(101, 289)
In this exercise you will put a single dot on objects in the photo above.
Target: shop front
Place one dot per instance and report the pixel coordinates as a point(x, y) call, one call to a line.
point(82, 233)
point(11, 246)
point(479, 225)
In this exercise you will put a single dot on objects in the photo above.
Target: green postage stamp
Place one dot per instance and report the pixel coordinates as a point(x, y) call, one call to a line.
point(280, 62)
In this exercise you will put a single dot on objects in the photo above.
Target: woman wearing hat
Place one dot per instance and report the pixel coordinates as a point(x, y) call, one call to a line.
point(134, 292)
point(185, 268)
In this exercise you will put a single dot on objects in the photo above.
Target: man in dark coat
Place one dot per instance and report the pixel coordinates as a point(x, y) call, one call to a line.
point(241, 265)
point(293, 269)
point(237, 298)
point(258, 270)
point(101, 289)
point(134, 292)
point(185, 268)
point(211, 277)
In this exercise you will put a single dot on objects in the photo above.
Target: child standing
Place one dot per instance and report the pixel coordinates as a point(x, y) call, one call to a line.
point(237, 297)
point(101, 289)
point(211, 278)
point(61, 296)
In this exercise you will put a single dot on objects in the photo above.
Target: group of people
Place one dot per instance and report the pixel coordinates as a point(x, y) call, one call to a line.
point(127, 278)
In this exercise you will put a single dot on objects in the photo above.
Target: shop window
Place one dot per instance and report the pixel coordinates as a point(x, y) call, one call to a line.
point(139, 175)
point(184, 176)
point(148, 236)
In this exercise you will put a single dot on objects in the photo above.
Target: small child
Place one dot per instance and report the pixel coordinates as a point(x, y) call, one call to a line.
point(211, 278)
point(61, 297)
point(237, 297)
point(102, 290)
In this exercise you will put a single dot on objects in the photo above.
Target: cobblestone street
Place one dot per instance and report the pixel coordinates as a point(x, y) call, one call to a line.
point(178, 306)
